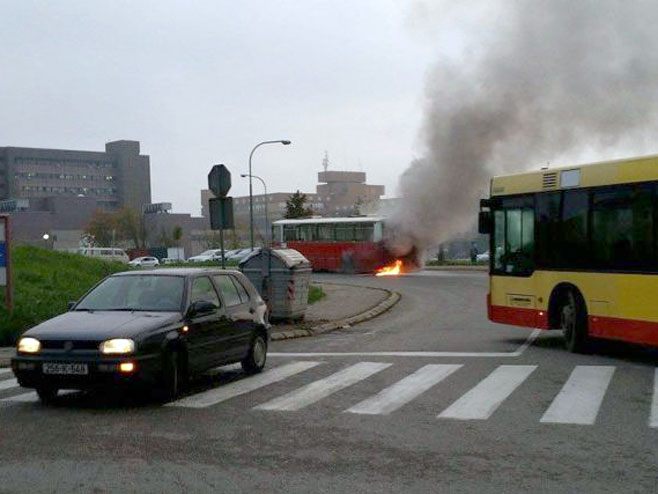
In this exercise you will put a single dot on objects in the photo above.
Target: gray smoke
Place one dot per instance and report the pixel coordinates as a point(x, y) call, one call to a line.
point(554, 81)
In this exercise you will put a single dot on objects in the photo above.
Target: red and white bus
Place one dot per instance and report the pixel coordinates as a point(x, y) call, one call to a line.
point(348, 245)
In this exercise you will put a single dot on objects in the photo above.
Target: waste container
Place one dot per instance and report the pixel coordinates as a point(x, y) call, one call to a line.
point(282, 277)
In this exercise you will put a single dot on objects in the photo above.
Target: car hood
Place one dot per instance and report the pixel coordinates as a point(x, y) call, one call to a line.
point(99, 325)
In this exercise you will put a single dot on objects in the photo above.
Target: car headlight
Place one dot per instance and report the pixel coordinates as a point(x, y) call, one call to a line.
point(117, 346)
point(29, 345)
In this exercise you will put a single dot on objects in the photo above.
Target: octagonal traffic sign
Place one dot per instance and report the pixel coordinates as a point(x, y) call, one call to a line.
point(219, 180)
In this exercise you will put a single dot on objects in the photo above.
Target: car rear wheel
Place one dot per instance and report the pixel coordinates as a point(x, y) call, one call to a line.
point(47, 394)
point(255, 359)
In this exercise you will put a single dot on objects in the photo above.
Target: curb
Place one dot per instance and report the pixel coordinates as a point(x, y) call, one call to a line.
point(457, 268)
point(383, 306)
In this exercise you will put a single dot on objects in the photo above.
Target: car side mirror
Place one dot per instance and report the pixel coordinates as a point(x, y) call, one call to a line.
point(201, 307)
point(70, 305)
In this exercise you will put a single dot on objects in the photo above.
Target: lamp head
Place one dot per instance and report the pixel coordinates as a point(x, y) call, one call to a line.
point(285, 142)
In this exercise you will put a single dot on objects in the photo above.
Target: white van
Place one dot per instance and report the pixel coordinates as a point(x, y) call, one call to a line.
point(107, 253)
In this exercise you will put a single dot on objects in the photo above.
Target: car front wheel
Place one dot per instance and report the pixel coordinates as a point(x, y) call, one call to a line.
point(255, 359)
point(47, 394)
point(172, 376)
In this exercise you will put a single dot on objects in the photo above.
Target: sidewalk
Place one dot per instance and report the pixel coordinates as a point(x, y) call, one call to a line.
point(342, 306)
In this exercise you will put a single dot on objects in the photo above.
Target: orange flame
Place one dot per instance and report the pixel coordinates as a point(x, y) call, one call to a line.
point(390, 270)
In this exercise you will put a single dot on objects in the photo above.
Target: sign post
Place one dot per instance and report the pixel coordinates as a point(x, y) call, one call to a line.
point(5, 262)
point(221, 207)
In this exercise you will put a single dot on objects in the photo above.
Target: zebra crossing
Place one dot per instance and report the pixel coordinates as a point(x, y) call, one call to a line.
point(578, 401)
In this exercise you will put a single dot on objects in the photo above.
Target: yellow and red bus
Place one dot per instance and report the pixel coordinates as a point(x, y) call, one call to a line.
point(575, 249)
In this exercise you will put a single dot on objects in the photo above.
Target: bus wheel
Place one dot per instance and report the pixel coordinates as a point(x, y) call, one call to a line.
point(573, 322)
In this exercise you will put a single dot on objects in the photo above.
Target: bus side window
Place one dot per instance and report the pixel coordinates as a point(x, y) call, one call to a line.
point(622, 228)
point(547, 220)
point(363, 232)
point(289, 233)
point(574, 252)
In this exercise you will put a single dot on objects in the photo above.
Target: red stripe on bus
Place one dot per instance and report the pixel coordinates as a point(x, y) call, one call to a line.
point(611, 328)
point(630, 330)
point(516, 316)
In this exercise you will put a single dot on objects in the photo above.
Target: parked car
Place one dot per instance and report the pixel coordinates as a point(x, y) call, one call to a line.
point(144, 262)
point(107, 253)
point(155, 328)
point(241, 254)
point(210, 255)
point(484, 257)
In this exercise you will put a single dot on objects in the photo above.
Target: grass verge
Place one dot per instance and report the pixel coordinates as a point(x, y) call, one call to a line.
point(315, 293)
point(44, 282)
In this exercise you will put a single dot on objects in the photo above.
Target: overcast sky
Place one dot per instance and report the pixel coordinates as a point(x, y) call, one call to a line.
point(201, 82)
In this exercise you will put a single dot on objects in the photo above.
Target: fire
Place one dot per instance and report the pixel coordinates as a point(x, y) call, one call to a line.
point(390, 270)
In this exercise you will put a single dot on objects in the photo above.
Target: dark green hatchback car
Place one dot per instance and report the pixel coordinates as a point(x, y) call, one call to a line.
point(155, 328)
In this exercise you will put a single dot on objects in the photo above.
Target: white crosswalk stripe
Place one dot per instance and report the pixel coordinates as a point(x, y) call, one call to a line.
point(251, 383)
point(578, 402)
point(33, 397)
point(653, 418)
point(483, 400)
point(402, 392)
point(314, 392)
point(580, 398)
point(8, 384)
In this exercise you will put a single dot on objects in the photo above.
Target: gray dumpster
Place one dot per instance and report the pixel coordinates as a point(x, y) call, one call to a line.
point(285, 289)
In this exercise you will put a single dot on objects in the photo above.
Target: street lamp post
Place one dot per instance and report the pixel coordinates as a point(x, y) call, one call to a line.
point(251, 194)
point(267, 221)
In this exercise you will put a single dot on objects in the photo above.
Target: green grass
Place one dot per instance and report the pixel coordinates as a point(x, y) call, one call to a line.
point(315, 293)
point(44, 282)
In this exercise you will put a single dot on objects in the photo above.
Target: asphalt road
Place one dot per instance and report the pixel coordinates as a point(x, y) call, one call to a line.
point(429, 397)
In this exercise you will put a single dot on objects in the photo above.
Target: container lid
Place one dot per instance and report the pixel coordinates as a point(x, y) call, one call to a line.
point(290, 257)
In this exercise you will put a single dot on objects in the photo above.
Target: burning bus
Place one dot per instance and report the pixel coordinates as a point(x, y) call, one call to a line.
point(346, 245)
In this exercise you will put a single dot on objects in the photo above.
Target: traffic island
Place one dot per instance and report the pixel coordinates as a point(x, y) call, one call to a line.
point(342, 306)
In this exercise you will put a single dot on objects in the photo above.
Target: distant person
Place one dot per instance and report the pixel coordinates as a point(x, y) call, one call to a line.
point(474, 253)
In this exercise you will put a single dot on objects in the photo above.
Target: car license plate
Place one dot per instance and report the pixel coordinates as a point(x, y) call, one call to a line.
point(65, 369)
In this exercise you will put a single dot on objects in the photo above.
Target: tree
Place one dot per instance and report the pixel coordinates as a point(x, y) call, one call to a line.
point(296, 206)
point(132, 227)
point(177, 235)
point(357, 206)
point(102, 228)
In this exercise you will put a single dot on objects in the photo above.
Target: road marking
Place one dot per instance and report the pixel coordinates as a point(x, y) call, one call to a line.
point(315, 391)
point(33, 397)
point(579, 400)
point(231, 390)
point(9, 383)
point(653, 419)
point(483, 400)
point(402, 392)
point(517, 353)
point(5, 370)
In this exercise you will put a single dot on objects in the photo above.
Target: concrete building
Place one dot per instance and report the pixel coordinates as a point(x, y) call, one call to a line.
point(118, 177)
point(63, 219)
point(344, 192)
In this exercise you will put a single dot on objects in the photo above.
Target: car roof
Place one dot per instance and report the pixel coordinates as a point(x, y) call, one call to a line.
point(178, 272)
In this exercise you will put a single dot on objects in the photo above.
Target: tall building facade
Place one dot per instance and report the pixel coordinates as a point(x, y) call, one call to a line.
point(118, 177)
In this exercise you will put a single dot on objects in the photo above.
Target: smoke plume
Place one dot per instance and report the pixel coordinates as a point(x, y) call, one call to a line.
point(550, 81)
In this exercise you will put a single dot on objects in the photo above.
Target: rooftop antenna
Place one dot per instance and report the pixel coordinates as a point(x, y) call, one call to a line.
point(325, 161)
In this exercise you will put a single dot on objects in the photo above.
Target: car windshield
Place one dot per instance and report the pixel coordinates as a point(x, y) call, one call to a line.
point(207, 253)
point(136, 293)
